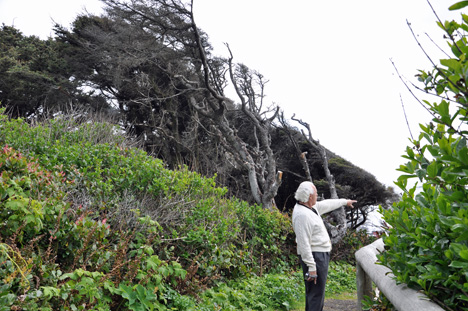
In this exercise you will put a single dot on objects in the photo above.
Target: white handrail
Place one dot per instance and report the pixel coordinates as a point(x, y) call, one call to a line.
point(402, 297)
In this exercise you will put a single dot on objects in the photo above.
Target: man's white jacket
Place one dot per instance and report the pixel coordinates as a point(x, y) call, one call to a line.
point(311, 234)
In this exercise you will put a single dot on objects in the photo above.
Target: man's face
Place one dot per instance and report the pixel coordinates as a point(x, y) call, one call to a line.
point(313, 197)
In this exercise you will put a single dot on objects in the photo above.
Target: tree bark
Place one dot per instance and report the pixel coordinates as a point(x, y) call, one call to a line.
point(258, 160)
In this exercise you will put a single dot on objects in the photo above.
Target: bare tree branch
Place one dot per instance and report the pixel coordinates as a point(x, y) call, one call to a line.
point(302, 155)
point(339, 216)
point(406, 118)
point(440, 71)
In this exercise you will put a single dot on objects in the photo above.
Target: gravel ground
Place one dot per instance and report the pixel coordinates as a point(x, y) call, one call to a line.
point(340, 305)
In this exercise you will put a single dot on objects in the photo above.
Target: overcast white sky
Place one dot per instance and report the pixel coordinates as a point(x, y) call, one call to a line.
point(327, 61)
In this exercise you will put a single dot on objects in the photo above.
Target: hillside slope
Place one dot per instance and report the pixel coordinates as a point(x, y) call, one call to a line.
point(88, 222)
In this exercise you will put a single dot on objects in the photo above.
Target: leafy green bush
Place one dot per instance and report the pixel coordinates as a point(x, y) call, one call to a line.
point(90, 223)
point(31, 197)
point(42, 238)
point(272, 292)
point(341, 278)
point(427, 243)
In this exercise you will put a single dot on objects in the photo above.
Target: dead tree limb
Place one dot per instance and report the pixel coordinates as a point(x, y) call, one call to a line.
point(302, 155)
point(338, 229)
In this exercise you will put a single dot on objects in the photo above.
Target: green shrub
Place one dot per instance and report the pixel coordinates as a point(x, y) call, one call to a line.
point(98, 226)
point(31, 198)
point(427, 242)
point(42, 238)
point(341, 278)
point(272, 292)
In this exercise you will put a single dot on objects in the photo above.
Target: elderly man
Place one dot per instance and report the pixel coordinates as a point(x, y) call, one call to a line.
point(313, 242)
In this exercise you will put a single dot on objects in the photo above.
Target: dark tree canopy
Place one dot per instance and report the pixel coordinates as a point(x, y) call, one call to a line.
point(35, 79)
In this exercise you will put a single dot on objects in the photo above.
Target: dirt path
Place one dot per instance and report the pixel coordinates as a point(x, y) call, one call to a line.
point(340, 305)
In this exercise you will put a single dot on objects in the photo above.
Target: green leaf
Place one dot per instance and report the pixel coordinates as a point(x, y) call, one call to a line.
point(458, 5)
point(14, 205)
point(128, 293)
point(410, 152)
point(405, 177)
point(462, 237)
point(463, 155)
point(153, 262)
point(50, 292)
point(452, 64)
point(459, 227)
point(455, 50)
point(447, 221)
point(449, 254)
point(465, 18)
point(464, 254)
point(432, 169)
point(465, 298)
point(459, 264)
point(457, 247)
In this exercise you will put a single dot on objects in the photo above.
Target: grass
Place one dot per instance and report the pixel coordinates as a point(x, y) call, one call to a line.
point(343, 296)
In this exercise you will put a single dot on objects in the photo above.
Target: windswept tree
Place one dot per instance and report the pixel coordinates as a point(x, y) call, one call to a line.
point(153, 61)
point(133, 68)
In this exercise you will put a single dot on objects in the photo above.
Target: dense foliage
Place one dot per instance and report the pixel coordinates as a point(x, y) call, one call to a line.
point(91, 223)
point(341, 278)
point(427, 242)
point(36, 78)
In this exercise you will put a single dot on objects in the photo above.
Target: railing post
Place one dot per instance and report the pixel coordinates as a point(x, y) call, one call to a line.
point(364, 285)
point(368, 272)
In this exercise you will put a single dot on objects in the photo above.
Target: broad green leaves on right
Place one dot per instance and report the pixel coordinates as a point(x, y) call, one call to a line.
point(427, 242)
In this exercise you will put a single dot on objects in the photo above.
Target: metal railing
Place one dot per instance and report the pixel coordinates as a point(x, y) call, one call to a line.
point(402, 297)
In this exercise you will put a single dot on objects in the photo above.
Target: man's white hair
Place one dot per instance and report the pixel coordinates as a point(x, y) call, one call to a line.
point(304, 190)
